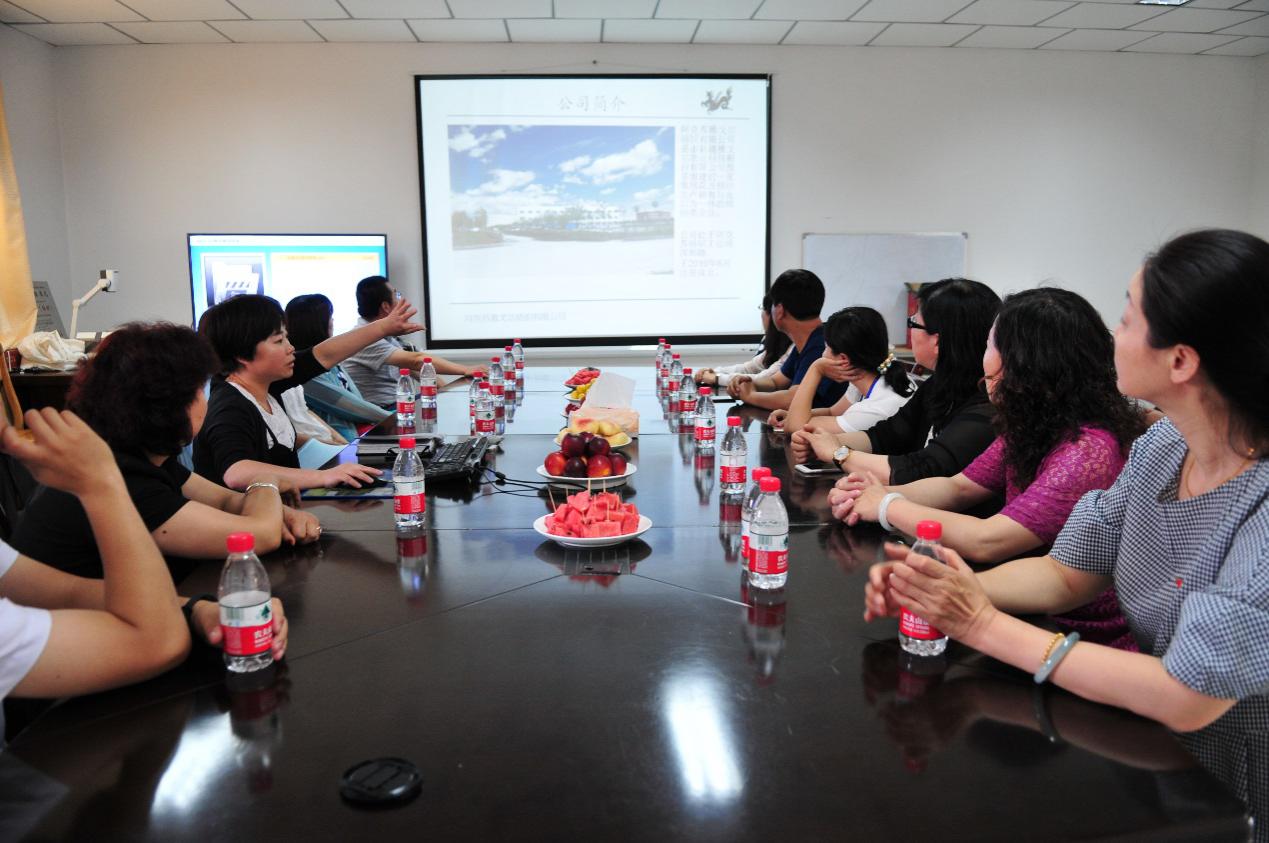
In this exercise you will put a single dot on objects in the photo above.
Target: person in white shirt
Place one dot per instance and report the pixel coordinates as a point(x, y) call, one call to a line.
point(769, 359)
point(857, 350)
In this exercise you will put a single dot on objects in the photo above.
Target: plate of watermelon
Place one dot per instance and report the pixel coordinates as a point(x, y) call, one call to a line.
point(593, 520)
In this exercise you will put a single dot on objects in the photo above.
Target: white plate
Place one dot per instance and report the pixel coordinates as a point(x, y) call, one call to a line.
point(645, 524)
point(600, 483)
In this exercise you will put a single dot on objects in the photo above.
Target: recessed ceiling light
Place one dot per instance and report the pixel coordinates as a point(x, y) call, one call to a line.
point(1162, 2)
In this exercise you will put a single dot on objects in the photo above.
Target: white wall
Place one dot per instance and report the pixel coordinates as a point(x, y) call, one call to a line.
point(27, 73)
point(1062, 166)
point(1259, 218)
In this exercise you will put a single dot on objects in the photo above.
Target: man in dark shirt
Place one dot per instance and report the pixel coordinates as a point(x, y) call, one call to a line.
point(796, 299)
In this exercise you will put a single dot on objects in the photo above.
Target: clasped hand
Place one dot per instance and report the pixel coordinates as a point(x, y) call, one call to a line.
point(946, 594)
point(856, 497)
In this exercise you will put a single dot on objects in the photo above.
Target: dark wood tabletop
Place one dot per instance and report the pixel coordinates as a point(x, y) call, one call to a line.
point(634, 692)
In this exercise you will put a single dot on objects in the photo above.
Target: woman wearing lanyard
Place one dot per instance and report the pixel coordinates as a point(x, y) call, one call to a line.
point(1063, 429)
point(856, 349)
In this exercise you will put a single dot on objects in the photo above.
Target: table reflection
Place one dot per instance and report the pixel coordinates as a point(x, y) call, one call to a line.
point(698, 718)
point(763, 627)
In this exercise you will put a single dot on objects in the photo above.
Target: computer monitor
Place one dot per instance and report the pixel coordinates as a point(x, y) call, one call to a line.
point(284, 266)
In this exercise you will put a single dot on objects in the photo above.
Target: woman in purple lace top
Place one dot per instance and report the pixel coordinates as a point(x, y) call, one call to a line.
point(1063, 429)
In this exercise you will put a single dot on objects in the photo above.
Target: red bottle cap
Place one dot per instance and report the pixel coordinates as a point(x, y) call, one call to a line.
point(687, 371)
point(705, 390)
point(404, 372)
point(407, 442)
point(517, 339)
point(760, 472)
point(427, 359)
point(733, 421)
point(668, 346)
point(930, 531)
point(506, 348)
point(240, 542)
point(769, 484)
point(676, 355)
point(495, 359)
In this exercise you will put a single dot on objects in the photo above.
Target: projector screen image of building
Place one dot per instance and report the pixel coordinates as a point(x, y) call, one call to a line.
point(596, 210)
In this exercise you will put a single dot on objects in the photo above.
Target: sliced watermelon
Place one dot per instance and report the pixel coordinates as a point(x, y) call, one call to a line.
point(601, 530)
point(574, 522)
point(580, 501)
point(629, 523)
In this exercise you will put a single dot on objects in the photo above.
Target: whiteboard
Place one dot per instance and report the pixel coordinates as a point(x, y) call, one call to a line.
point(871, 269)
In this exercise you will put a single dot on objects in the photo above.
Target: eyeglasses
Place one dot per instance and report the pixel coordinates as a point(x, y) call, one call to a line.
point(912, 323)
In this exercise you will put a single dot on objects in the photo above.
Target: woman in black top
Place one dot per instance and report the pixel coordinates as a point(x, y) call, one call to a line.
point(143, 393)
point(948, 422)
point(247, 434)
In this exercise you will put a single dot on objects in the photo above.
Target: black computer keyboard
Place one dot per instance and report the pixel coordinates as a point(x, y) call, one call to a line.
point(456, 459)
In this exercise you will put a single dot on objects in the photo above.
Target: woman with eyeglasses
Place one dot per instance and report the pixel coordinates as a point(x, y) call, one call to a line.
point(1182, 534)
point(948, 421)
point(1063, 429)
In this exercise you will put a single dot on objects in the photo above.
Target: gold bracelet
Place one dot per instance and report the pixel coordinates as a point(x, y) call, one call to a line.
point(1053, 642)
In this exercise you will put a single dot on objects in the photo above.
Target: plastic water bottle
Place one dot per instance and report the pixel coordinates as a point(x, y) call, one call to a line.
point(687, 394)
point(246, 616)
point(498, 392)
point(747, 503)
point(409, 505)
point(915, 635)
point(663, 368)
point(427, 385)
point(705, 421)
point(517, 354)
point(486, 420)
point(734, 454)
point(509, 375)
point(405, 399)
point(656, 362)
point(769, 538)
point(473, 393)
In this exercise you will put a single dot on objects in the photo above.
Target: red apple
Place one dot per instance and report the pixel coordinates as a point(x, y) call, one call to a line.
point(587, 436)
point(575, 467)
point(599, 466)
point(618, 461)
point(554, 463)
point(597, 446)
point(573, 445)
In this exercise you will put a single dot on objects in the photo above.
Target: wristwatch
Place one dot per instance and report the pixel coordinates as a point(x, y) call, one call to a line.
point(840, 455)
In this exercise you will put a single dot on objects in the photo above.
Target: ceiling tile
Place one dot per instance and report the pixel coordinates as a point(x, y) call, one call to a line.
point(185, 9)
point(500, 8)
point(266, 31)
point(459, 30)
point(362, 31)
point(831, 32)
point(722, 9)
point(1098, 40)
point(1178, 42)
point(1259, 26)
point(1242, 47)
point(915, 11)
point(10, 13)
point(808, 9)
point(291, 9)
point(555, 31)
point(79, 11)
point(742, 31)
point(605, 8)
point(172, 32)
point(1011, 37)
point(1254, 6)
point(74, 34)
point(1194, 20)
point(1104, 16)
point(1009, 12)
point(922, 35)
point(649, 31)
point(396, 8)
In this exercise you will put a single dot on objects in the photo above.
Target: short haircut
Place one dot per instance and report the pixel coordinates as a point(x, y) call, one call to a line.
point(236, 326)
point(136, 390)
point(308, 320)
point(372, 292)
point(800, 291)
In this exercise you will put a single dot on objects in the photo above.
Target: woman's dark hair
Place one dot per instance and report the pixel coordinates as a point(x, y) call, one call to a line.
point(1057, 375)
point(774, 341)
point(308, 320)
point(1210, 290)
point(136, 390)
point(960, 311)
point(860, 333)
point(235, 326)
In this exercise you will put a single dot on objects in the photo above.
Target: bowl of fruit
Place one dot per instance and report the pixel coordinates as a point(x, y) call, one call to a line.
point(589, 462)
point(593, 520)
point(590, 429)
point(582, 376)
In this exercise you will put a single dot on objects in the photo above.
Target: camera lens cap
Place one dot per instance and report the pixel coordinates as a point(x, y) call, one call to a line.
point(381, 782)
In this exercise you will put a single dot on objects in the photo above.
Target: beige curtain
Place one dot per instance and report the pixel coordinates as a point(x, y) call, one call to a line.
point(17, 298)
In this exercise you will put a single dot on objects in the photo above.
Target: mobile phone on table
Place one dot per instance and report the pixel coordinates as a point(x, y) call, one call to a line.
point(815, 468)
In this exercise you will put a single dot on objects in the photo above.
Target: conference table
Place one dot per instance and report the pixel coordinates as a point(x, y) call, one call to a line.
point(633, 692)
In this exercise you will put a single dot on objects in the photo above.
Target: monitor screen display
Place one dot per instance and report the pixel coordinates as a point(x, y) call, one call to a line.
point(284, 266)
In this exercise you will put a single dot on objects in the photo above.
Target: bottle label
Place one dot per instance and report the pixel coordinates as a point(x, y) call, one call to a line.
point(405, 408)
point(768, 554)
point(520, 364)
point(496, 388)
point(673, 386)
point(484, 425)
point(744, 537)
point(409, 504)
point(705, 430)
point(428, 390)
point(733, 474)
point(687, 405)
point(248, 630)
point(915, 626)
